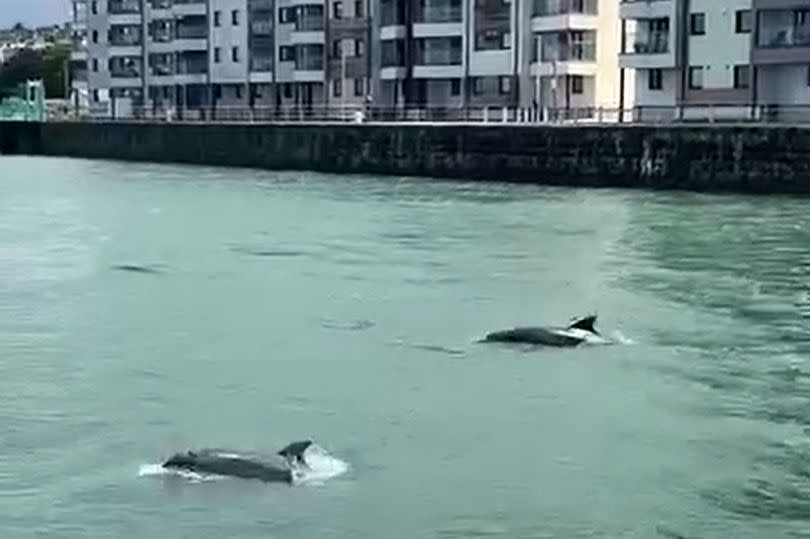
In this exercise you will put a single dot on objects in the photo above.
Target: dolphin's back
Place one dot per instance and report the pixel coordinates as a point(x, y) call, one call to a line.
point(534, 335)
point(233, 465)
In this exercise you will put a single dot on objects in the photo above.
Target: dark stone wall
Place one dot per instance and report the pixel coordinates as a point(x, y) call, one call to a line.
point(702, 158)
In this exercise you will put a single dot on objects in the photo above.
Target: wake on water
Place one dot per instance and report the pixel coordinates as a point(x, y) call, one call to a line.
point(321, 467)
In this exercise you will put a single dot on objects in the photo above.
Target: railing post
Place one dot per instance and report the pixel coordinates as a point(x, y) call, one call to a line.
point(504, 114)
point(486, 114)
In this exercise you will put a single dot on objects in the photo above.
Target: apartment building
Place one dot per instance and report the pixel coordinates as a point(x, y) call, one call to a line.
point(573, 54)
point(688, 56)
point(328, 53)
point(781, 55)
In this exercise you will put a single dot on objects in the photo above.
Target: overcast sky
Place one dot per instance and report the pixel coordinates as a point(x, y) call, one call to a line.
point(33, 12)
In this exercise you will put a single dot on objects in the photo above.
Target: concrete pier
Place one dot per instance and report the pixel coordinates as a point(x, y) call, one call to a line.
point(752, 159)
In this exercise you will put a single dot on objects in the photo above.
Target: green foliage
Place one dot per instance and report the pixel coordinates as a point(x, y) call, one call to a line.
point(49, 66)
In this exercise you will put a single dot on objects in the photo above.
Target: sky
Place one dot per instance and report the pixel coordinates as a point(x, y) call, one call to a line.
point(33, 12)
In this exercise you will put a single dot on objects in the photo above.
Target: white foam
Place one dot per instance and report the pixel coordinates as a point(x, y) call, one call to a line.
point(157, 470)
point(321, 466)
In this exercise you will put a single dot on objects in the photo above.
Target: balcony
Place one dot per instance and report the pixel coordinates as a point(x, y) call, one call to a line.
point(125, 36)
point(261, 28)
point(438, 20)
point(126, 67)
point(556, 15)
point(552, 8)
point(439, 14)
point(585, 52)
point(648, 50)
point(123, 7)
point(646, 9)
point(309, 60)
point(392, 13)
point(261, 64)
point(189, 7)
point(261, 5)
point(780, 40)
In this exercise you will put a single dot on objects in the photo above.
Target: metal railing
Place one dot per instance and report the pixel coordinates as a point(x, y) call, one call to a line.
point(547, 8)
point(798, 115)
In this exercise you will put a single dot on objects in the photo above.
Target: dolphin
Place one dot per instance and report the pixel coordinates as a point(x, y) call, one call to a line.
point(283, 467)
point(570, 336)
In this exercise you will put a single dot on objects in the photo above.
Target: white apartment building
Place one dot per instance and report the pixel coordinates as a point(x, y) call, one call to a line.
point(688, 57)
point(781, 56)
point(573, 54)
point(213, 54)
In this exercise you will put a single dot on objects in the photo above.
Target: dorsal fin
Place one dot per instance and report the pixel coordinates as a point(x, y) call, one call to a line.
point(585, 324)
point(296, 449)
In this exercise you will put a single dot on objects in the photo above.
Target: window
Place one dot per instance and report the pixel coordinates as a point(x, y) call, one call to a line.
point(238, 91)
point(359, 87)
point(741, 73)
point(94, 9)
point(217, 18)
point(288, 93)
point(217, 55)
point(337, 48)
point(358, 8)
point(506, 40)
point(505, 85)
point(95, 36)
point(95, 92)
point(697, 24)
point(577, 84)
point(235, 54)
point(286, 15)
point(743, 21)
point(455, 86)
point(235, 17)
point(696, 77)
point(478, 85)
point(359, 47)
point(95, 65)
point(337, 87)
point(337, 10)
point(655, 79)
point(217, 91)
point(801, 17)
point(286, 54)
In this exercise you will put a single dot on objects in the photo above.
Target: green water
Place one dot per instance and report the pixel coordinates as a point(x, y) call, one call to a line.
point(288, 305)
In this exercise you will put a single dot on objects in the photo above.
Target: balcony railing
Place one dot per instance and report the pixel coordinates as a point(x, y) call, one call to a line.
point(585, 52)
point(122, 39)
point(261, 28)
point(439, 57)
point(548, 8)
point(309, 23)
point(261, 63)
point(121, 7)
point(309, 63)
point(654, 43)
point(192, 32)
point(260, 5)
point(440, 14)
point(784, 37)
point(162, 70)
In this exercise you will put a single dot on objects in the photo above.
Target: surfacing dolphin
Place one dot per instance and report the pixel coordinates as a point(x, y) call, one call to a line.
point(283, 467)
point(580, 331)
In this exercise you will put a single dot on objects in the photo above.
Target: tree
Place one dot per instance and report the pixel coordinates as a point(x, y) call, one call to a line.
point(26, 64)
point(29, 64)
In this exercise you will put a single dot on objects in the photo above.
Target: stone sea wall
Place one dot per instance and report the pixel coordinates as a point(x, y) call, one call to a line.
point(768, 159)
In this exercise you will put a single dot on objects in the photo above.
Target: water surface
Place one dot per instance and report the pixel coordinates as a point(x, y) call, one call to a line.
point(146, 309)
